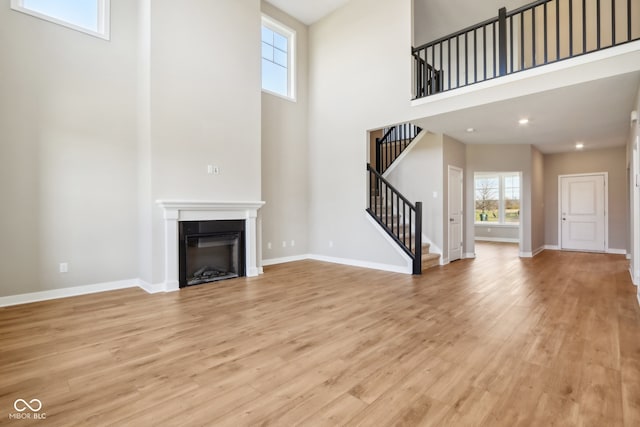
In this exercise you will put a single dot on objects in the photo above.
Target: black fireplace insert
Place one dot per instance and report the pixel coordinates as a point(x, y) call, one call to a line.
point(211, 251)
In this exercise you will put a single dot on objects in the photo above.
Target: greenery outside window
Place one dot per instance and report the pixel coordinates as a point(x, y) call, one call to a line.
point(497, 198)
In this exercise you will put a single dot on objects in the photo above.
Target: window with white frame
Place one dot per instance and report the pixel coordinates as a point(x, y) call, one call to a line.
point(278, 58)
point(88, 16)
point(497, 198)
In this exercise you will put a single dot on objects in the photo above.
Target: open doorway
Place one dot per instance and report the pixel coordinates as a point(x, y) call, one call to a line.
point(497, 200)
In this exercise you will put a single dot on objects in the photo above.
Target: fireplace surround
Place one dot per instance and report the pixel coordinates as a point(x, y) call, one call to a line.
point(177, 211)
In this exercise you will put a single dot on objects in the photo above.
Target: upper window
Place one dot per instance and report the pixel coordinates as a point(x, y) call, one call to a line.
point(497, 198)
point(88, 16)
point(278, 49)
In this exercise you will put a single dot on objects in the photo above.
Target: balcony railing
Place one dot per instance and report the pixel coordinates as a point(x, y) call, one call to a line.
point(537, 34)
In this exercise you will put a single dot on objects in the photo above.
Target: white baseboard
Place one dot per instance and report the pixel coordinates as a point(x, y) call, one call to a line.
point(538, 251)
point(284, 260)
point(67, 292)
point(638, 295)
point(617, 251)
point(152, 289)
point(468, 255)
point(634, 279)
point(628, 256)
point(365, 264)
point(551, 247)
point(526, 254)
point(497, 239)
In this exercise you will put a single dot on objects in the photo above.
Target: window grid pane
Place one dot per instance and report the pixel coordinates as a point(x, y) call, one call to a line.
point(275, 61)
point(497, 199)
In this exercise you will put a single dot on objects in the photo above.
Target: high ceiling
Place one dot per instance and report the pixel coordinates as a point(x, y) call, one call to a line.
point(308, 11)
point(595, 113)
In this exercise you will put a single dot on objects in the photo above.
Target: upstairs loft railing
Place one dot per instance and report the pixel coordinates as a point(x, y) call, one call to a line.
point(394, 141)
point(400, 218)
point(540, 33)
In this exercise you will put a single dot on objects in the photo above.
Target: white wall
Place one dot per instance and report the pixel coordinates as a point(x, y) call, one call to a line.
point(633, 152)
point(68, 152)
point(205, 105)
point(538, 224)
point(359, 79)
point(610, 160)
point(285, 157)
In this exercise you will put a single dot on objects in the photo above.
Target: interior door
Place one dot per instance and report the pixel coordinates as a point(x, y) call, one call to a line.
point(455, 213)
point(582, 213)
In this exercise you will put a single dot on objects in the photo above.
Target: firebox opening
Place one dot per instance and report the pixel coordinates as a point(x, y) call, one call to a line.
point(211, 251)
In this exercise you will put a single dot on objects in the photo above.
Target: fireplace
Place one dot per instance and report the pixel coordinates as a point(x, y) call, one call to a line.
point(210, 251)
point(178, 211)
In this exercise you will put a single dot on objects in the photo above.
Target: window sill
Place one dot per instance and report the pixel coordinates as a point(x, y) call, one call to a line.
point(497, 224)
point(278, 95)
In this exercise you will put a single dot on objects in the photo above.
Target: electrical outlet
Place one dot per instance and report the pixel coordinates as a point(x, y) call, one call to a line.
point(269, 245)
point(293, 243)
point(210, 169)
point(284, 244)
point(216, 170)
point(64, 267)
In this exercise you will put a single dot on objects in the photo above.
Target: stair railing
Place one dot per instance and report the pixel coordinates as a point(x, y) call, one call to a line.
point(394, 141)
point(400, 218)
point(536, 34)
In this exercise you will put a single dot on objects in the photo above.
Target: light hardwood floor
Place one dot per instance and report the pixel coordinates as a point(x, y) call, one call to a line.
point(496, 341)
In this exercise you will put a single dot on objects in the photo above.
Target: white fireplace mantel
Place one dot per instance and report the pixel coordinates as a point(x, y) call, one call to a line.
point(203, 210)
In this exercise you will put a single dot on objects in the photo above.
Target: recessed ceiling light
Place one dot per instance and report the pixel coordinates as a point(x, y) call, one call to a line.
point(470, 130)
point(523, 121)
point(579, 146)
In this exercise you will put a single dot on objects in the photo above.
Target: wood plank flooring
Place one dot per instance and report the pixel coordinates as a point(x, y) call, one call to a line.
point(495, 341)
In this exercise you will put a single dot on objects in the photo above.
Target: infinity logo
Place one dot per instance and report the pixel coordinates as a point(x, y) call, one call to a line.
point(21, 405)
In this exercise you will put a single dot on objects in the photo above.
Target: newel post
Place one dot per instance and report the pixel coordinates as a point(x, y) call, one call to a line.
point(417, 261)
point(502, 40)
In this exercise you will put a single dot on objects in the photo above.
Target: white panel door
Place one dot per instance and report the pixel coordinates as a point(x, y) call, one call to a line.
point(455, 213)
point(582, 213)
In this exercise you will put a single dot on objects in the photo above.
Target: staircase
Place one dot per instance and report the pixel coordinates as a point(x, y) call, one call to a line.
point(398, 217)
point(400, 225)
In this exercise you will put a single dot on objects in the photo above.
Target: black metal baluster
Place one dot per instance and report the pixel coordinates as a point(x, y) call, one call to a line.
point(571, 26)
point(598, 24)
point(475, 55)
point(495, 51)
point(484, 52)
point(433, 65)
point(613, 22)
point(628, 20)
point(440, 69)
point(511, 42)
point(522, 41)
point(584, 26)
point(545, 33)
point(557, 30)
point(457, 61)
point(533, 41)
point(398, 216)
point(466, 59)
point(449, 61)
